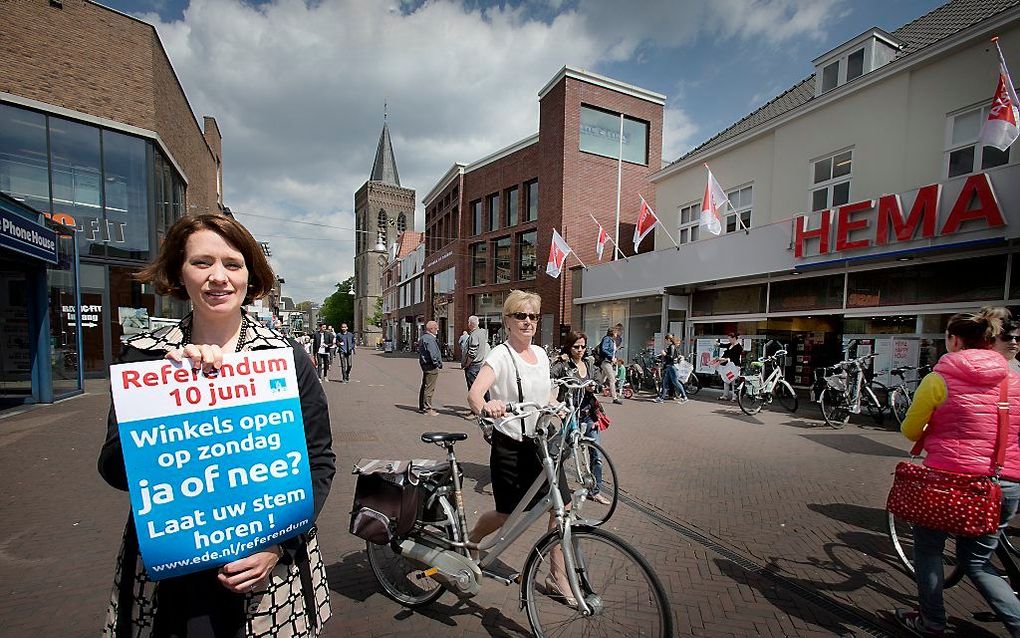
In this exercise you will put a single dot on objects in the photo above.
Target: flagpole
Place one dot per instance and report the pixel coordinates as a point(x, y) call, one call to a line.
point(619, 182)
point(615, 247)
point(1002, 61)
point(659, 224)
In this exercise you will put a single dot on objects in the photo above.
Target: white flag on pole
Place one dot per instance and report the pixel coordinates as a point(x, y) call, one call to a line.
point(712, 205)
point(1001, 128)
point(558, 251)
point(600, 243)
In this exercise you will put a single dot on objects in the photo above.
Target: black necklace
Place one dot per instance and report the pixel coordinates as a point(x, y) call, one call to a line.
point(240, 336)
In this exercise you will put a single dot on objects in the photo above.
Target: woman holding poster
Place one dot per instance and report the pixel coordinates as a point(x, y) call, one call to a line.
point(214, 262)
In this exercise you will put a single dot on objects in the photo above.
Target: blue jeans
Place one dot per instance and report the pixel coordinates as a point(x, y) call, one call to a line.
point(669, 379)
point(470, 374)
point(592, 432)
point(974, 554)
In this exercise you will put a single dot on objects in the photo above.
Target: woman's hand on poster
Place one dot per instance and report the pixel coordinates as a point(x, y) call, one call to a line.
point(208, 357)
point(242, 576)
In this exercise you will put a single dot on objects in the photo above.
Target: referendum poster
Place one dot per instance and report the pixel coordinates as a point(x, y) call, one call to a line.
point(704, 351)
point(217, 466)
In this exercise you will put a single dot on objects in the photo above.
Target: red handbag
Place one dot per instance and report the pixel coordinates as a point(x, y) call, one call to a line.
point(960, 504)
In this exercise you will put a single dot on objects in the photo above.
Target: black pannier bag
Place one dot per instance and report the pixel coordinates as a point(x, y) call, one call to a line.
point(387, 499)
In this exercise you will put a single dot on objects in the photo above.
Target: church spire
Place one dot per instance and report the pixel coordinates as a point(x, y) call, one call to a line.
point(384, 169)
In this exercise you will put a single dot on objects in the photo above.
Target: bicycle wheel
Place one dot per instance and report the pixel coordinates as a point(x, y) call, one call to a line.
point(749, 400)
point(692, 385)
point(624, 594)
point(628, 392)
point(899, 403)
point(786, 396)
point(583, 473)
point(901, 534)
point(876, 409)
point(834, 408)
point(403, 579)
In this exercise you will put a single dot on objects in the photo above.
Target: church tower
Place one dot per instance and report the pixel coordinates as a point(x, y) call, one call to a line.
point(383, 209)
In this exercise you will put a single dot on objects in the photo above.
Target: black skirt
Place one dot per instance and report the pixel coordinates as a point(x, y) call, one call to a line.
point(514, 466)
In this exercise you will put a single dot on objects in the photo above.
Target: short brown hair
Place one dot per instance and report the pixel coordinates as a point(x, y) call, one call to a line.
point(572, 338)
point(164, 273)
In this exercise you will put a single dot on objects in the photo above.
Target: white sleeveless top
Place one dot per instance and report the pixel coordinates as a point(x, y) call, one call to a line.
point(534, 382)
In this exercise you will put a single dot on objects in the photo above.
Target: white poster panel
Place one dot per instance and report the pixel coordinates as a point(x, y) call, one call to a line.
point(883, 350)
point(705, 354)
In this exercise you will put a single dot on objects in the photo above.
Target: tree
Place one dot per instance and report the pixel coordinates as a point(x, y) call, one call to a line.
point(338, 308)
point(377, 313)
point(303, 306)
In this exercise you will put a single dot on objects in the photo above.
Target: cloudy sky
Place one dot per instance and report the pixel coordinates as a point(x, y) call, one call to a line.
point(298, 87)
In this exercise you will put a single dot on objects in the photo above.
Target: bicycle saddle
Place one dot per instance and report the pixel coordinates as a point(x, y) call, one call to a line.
point(443, 437)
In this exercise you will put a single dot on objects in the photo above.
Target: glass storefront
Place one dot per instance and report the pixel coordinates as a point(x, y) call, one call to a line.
point(65, 362)
point(641, 319)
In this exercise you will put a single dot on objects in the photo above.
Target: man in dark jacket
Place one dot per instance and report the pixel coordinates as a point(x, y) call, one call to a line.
point(322, 342)
point(345, 348)
point(430, 358)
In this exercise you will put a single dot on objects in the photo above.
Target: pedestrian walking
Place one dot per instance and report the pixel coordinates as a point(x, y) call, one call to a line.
point(477, 350)
point(462, 344)
point(345, 349)
point(604, 357)
point(732, 354)
point(517, 371)
point(214, 262)
point(954, 410)
point(575, 362)
point(1008, 342)
point(430, 358)
point(321, 344)
point(670, 381)
point(332, 344)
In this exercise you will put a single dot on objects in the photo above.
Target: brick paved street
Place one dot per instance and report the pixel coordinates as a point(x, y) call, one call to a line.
point(768, 526)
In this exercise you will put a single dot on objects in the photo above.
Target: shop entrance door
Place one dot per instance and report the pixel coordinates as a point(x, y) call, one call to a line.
point(15, 350)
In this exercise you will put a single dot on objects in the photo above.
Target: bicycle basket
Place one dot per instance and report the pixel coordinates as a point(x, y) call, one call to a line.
point(387, 500)
point(837, 381)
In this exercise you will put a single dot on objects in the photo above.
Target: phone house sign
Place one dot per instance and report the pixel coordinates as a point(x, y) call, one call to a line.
point(893, 222)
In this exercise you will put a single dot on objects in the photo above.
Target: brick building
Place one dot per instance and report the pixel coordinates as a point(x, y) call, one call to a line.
point(488, 224)
point(96, 133)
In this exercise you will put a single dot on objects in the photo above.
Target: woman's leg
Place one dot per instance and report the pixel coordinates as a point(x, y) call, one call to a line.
point(975, 554)
point(929, 545)
point(596, 458)
point(667, 382)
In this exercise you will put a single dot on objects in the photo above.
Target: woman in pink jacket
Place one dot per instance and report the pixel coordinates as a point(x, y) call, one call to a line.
point(958, 404)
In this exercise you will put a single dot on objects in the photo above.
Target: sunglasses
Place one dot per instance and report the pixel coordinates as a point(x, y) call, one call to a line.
point(521, 316)
point(1008, 338)
point(578, 347)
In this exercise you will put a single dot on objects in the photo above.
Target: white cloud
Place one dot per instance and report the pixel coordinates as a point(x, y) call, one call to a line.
point(298, 88)
point(678, 133)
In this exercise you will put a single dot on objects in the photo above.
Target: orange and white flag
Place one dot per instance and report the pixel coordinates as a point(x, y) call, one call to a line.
point(712, 205)
point(646, 223)
point(558, 251)
point(600, 243)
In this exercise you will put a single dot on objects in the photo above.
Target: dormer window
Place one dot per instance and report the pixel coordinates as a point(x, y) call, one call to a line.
point(849, 61)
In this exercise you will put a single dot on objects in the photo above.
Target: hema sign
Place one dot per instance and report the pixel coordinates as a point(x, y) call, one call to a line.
point(933, 215)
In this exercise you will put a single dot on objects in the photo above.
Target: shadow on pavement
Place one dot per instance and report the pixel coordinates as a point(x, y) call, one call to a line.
point(737, 415)
point(479, 474)
point(352, 577)
point(857, 444)
point(870, 518)
point(806, 425)
point(493, 620)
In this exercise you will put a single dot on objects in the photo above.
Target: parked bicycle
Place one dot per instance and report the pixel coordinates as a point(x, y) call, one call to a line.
point(692, 384)
point(902, 394)
point(613, 590)
point(645, 372)
point(841, 390)
point(756, 390)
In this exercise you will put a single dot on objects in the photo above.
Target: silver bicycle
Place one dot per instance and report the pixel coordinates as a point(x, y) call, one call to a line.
point(756, 391)
point(613, 590)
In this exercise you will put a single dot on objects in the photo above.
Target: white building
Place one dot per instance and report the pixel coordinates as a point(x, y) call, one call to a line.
point(873, 211)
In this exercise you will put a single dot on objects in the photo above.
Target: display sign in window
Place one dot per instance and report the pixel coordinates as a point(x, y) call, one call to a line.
point(600, 134)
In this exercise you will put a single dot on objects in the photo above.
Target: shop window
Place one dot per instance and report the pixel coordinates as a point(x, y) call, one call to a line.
point(939, 282)
point(531, 203)
point(830, 183)
point(501, 256)
point(964, 153)
point(77, 181)
point(124, 185)
point(690, 217)
point(513, 198)
point(492, 204)
point(64, 360)
point(24, 171)
point(813, 293)
point(726, 301)
point(476, 217)
point(527, 255)
point(740, 204)
point(478, 264)
point(600, 134)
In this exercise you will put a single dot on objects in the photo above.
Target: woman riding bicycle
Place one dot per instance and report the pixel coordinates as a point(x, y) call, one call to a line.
point(574, 363)
point(958, 404)
point(516, 371)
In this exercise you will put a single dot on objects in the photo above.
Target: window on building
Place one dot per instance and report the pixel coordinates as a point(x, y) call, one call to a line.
point(831, 180)
point(401, 223)
point(77, 181)
point(479, 260)
point(513, 198)
point(24, 171)
point(688, 230)
point(125, 188)
point(855, 65)
point(600, 134)
point(492, 203)
point(476, 217)
point(531, 205)
point(740, 204)
point(830, 76)
point(527, 255)
point(382, 221)
point(501, 260)
point(964, 154)
point(445, 281)
point(938, 282)
point(727, 301)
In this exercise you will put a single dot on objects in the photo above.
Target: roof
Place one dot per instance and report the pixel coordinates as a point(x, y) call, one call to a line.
point(936, 25)
point(407, 243)
point(384, 169)
point(604, 82)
